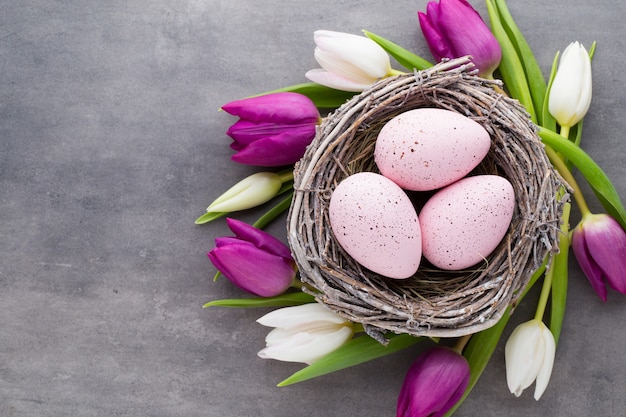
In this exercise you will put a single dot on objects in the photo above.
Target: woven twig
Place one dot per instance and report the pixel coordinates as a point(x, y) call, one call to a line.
point(432, 302)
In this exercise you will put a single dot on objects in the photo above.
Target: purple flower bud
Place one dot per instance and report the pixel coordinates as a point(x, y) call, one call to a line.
point(599, 244)
point(434, 383)
point(273, 129)
point(452, 28)
point(254, 260)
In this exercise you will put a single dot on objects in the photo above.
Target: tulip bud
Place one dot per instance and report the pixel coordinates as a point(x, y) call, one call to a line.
point(273, 129)
point(250, 192)
point(452, 29)
point(529, 355)
point(599, 245)
point(254, 260)
point(434, 383)
point(570, 93)
point(304, 333)
point(349, 62)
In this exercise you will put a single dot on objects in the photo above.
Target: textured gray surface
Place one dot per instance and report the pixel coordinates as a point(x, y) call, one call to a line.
point(111, 145)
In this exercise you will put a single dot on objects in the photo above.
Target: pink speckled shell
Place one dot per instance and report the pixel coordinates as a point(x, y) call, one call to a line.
point(376, 224)
point(427, 148)
point(464, 222)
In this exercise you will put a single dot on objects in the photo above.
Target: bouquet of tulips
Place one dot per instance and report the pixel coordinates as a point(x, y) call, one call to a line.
point(274, 130)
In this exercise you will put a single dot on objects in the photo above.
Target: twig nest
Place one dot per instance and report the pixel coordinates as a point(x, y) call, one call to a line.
point(432, 302)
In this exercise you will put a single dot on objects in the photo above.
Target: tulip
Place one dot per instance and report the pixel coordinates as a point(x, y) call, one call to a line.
point(273, 130)
point(254, 260)
point(304, 333)
point(452, 29)
point(349, 62)
point(599, 245)
point(250, 192)
point(434, 383)
point(529, 355)
point(570, 93)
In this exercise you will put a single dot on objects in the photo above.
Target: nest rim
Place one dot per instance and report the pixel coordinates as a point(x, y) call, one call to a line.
point(431, 303)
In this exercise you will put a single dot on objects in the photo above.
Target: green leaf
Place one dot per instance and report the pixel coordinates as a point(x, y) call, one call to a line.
point(406, 58)
point(209, 217)
point(511, 68)
point(548, 120)
point(481, 346)
point(356, 351)
point(274, 212)
point(560, 278)
point(323, 97)
point(534, 75)
point(284, 300)
point(597, 179)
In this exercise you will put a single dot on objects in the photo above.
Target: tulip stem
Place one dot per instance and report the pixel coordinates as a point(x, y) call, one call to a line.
point(286, 175)
point(564, 132)
point(561, 166)
point(460, 344)
point(545, 291)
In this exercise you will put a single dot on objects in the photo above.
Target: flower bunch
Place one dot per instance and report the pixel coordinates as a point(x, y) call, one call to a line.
point(275, 129)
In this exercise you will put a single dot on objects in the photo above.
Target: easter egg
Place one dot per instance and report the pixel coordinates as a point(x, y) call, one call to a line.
point(375, 222)
point(463, 223)
point(428, 148)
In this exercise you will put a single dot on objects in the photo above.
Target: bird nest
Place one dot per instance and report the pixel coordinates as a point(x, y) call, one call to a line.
point(432, 302)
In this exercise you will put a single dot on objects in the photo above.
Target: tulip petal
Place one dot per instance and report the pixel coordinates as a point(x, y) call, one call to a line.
point(259, 238)
point(289, 317)
point(250, 192)
point(523, 356)
point(436, 43)
point(543, 377)
point(590, 268)
point(307, 347)
point(253, 270)
point(284, 148)
point(435, 382)
point(335, 81)
point(283, 107)
point(606, 244)
point(356, 54)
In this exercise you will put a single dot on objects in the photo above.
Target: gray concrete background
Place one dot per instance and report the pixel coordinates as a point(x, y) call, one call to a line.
point(111, 145)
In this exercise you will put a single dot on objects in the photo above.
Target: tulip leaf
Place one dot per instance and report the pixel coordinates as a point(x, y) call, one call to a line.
point(323, 97)
point(283, 300)
point(406, 58)
point(511, 68)
point(534, 75)
point(547, 120)
point(274, 212)
point(560, 278)
point(481, 346)
point(356, 351)
point(209, 217)
point(597, 179)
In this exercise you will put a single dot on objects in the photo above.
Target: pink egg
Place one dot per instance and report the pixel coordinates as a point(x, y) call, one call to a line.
point(428, 148)
point(464, 222)
point(376, 224)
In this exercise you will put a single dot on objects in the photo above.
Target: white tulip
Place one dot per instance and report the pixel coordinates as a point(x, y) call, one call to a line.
point(529, 355)
point(349, 62)
point(303, 333)
point(250, 192)
point(570, 93)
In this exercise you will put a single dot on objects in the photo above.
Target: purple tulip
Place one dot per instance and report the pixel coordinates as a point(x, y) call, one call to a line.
point(599, 244)
point(273, 129)
point(452, 28)
point(254, 260)
point(434, 383)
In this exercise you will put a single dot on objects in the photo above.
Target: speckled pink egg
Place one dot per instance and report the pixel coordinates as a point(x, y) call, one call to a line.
point(429, 148)
point(464, 222)
point(376, 224)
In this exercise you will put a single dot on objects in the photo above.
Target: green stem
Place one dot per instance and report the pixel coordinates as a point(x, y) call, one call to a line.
point(564, 132)
point(561, 166)
point(460, 344)
point(545, 291)
point(286, 175)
